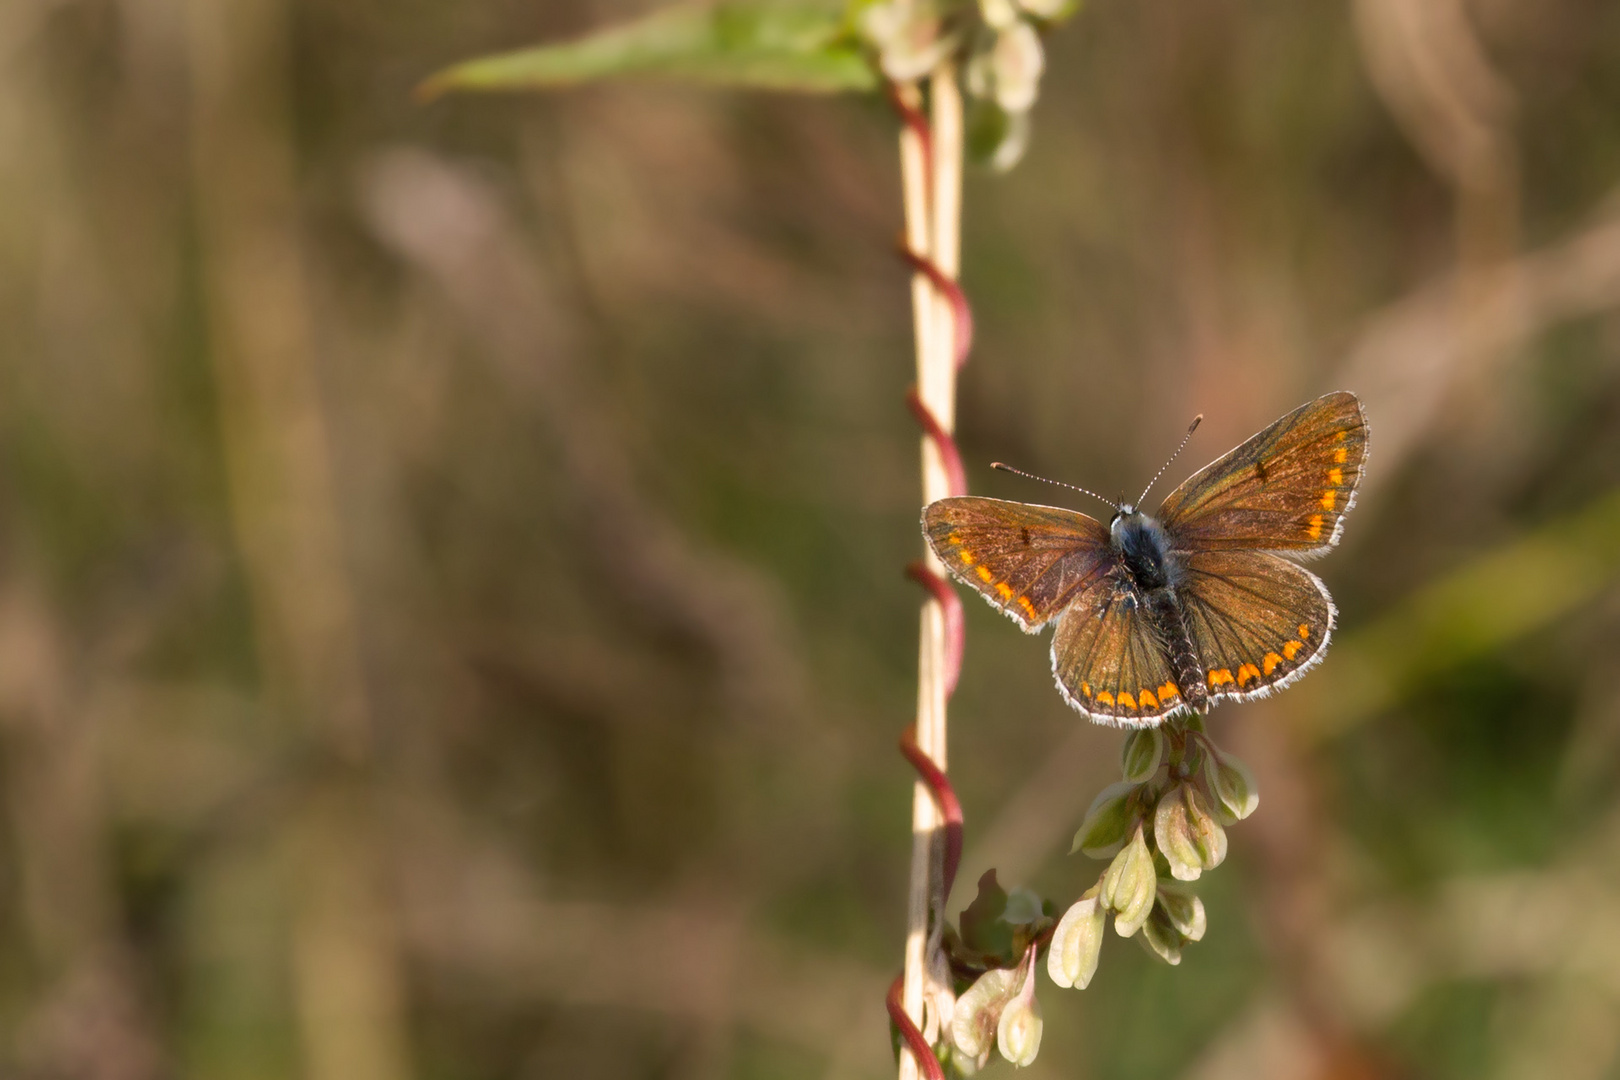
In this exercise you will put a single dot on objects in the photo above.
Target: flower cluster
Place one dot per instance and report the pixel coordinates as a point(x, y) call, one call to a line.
point(1000, 44)
point(1163, 825)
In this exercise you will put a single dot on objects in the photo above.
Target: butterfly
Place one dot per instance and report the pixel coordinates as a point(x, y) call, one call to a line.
point(1197, 604)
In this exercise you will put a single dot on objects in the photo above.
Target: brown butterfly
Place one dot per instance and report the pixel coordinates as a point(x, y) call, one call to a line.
point(1193, 606)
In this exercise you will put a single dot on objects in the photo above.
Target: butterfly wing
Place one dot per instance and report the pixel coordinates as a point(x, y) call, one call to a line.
point(1256, 620)
point(1286, 489)
point(1027, 561)
point(1107, 657)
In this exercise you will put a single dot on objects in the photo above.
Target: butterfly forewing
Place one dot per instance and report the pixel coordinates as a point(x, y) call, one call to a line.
point(1257, 621)
point(1286, 489)
point(1108, 660)
point(1026, 560)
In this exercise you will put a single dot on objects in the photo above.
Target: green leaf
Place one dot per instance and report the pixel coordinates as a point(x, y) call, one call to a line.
point(804, 47)
point(983, 929)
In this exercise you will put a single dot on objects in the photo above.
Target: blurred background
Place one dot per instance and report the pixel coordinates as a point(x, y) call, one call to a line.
point(451, 612)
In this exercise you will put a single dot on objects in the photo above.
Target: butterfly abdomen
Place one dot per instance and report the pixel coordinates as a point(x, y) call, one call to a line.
point(1177, 643)
point(1145, 550)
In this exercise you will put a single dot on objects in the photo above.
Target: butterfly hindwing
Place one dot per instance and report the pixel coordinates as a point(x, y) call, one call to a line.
point(1026, 560)
point(1257, 621)
point(1108, 660)
point(1286, 489)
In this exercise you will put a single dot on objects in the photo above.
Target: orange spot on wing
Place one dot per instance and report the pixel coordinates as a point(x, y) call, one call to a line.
point(1029, 608)
point(1291, 649)
point(1341, 455)
point(955, 539)
point(1247, 672)
point(1085, 688)
point(1146, 700)
point(1104, 698)
point(1335, 477)
point(1329, 498)
point(1126, 701)
point(1271, 661)
point(1341, 435)
point(984, 573)
point(1314, 529)
point(1219, 677)
point(1168, 691)
point(1304, 631)
point(966, 556)
point(1004, 589)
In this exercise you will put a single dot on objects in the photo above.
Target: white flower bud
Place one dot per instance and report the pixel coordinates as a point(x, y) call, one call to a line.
point(1018, 1035)
point(1142, 753)
point(909, 37)
point(1184, 910)
point(1107, 823)
point(1018, 60)
point(998, 14)
point(1208, 836)
point(1050, 10)
point(1077, 942)
point(978, 1012)
point(1129, 884)
point(1188, 836)
point(1162, 938)
point(1232, 785)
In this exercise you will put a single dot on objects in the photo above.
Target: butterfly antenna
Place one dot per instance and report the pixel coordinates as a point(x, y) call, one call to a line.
point(1199, 419)
point(1044, 480)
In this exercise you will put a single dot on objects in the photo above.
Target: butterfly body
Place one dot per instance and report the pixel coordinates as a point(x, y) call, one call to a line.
point(1143, 548)
point(1192, 605)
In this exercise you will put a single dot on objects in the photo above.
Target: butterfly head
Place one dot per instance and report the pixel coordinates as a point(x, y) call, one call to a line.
point(1125, 517)
point(1144, 548)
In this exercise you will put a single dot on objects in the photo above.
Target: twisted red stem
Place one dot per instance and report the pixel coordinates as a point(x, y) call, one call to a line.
point(950, 606)
point(949, 456)
point(926, 1061)
point(951, 290)
point(918, 123)
point(944, 796)
point(950, 808)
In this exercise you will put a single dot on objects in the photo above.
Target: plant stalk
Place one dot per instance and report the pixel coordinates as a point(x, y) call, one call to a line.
point(933, 199)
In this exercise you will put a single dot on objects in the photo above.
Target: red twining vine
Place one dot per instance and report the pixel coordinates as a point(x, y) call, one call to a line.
point(950, 604)
point(955, 475)
point(915, 1041)
point(951, 290)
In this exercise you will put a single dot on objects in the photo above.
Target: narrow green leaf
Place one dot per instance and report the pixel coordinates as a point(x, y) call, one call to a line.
point(803, 47)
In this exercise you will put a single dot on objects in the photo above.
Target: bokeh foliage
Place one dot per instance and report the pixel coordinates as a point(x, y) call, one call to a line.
point(450, 611)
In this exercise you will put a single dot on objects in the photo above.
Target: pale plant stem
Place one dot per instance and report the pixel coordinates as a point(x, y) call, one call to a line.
point(932, 192)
